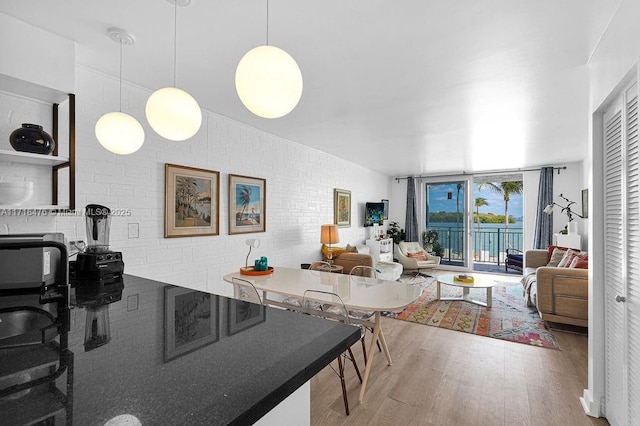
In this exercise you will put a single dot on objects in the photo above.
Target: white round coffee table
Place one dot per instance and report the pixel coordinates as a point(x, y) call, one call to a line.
point(478, 282)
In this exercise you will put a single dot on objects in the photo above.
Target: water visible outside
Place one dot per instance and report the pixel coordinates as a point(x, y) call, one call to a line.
point(489, 243)
point(445, 212)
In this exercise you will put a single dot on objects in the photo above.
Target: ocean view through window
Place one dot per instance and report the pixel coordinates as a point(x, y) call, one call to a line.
point(469, 227)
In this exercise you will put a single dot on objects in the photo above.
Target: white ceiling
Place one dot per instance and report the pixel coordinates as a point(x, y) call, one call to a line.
point(404, 87)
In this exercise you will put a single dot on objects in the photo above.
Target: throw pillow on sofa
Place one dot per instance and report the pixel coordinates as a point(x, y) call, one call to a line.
point(551, 248)
point(580, 261)
point(567, 258)
point(556, 256)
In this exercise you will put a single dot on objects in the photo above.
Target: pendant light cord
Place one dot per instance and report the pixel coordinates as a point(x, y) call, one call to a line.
point(175, 39)
point(267, 22)
point(121, 44)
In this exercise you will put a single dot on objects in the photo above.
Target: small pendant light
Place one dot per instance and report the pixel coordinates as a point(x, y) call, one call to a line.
point(171, 112)
point(268, 80)
point(118, 132)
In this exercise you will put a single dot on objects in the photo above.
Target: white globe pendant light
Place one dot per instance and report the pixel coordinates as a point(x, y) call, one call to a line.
point(171, 112)
point(268, 82)
point(118, 132)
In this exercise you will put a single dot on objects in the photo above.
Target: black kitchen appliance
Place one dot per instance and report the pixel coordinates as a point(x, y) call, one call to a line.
point(34, 327)
point(97, 262)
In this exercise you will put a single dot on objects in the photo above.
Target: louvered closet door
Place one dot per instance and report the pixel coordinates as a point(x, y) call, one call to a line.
point(633, 257)
point(622, 259)
point(615, 329)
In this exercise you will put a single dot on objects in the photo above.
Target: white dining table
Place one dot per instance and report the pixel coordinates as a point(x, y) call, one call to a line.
point(357, 293)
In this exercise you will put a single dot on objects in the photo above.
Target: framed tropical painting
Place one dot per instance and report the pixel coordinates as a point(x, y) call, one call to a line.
point(192, 201)
point(247, 204)
point(342, 207)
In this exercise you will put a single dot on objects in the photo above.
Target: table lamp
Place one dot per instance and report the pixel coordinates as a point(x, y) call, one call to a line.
point(252, 243)
point(329, 235)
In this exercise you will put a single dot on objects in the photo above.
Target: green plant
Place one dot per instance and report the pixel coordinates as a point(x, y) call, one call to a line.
point(431, 244)
point(395, 232)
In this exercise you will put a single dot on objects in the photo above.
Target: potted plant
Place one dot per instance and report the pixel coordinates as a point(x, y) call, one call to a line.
point(430, 242)
point(395, 232)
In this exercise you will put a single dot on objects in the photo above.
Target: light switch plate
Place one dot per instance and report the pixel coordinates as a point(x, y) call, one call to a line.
point(134, 230)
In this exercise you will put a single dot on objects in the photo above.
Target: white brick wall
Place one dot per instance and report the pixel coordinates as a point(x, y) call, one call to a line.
point(300, 184)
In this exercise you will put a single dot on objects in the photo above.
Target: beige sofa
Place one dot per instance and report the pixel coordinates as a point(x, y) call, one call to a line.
point(348, 260)
point(560, 294)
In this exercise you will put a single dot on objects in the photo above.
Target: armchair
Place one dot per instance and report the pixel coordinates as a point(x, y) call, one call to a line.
point(412, 256)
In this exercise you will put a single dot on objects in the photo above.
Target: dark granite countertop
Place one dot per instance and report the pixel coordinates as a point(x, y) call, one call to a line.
point(219, 361)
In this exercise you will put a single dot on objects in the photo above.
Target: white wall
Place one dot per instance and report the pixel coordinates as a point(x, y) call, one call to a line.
point(299, 194)
point(31, 54)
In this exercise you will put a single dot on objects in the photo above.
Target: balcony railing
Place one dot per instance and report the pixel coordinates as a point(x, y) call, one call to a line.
point(489, 244)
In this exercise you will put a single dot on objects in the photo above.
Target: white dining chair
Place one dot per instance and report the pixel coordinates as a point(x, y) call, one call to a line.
point(296, 302)
point(245, 290)
point(342, 315)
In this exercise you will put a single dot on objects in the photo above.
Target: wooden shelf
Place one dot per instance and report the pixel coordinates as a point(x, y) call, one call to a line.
point(27, 89)
point(40, 207)
point(15, 86)
point(29, 158)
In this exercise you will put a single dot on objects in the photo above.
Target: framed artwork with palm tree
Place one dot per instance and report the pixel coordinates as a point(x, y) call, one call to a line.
point(247, 204)
point(192, 201)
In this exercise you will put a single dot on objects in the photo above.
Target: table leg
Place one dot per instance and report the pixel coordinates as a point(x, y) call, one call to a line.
point(385, 349)
point(372, 351)
point(489, 297)
point(438, 291)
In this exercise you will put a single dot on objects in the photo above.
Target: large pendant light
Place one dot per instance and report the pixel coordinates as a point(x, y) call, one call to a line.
point(118, 132)
point(268, 80)
point(171, 112)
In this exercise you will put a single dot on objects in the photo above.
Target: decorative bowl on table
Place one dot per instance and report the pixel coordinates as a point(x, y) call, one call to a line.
point(250, 270)
point(15, 193)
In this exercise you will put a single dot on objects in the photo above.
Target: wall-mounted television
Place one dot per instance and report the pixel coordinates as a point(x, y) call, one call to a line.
point(373, 213)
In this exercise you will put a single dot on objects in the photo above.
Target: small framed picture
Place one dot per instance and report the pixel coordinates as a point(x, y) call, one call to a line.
point(191, 201)
point(191, 321)
point(247, 204)
point(342, 208)
point(386, 209)
point(585, 203)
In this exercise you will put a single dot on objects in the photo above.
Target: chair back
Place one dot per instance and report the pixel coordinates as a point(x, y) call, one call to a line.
point(335, 301)
point(364, 271)
point(409, 247)
point(320, 265)
point(245, 290)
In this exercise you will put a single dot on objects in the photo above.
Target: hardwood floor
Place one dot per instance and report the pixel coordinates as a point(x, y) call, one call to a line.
point(444, 377)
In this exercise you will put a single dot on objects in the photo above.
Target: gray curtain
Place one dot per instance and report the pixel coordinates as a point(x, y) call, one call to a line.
point(411, 219)
point(544, 222)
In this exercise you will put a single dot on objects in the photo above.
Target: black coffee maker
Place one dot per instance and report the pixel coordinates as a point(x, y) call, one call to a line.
point(97, 262)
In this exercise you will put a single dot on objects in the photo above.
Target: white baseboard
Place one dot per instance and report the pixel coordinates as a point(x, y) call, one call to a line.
point(591, 408)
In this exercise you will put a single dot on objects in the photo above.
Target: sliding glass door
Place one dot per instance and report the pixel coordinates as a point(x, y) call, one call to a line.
point(472, 222)
point(446, 221)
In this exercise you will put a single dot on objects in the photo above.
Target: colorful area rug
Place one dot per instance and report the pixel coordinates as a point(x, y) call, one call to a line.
point(508, 319)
